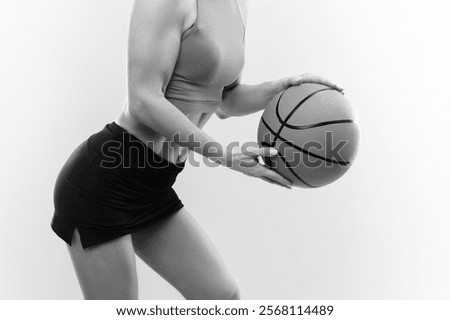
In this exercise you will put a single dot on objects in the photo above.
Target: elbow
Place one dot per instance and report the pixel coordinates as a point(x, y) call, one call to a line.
point(223, 113)
point(222, 116)
point(227, 107)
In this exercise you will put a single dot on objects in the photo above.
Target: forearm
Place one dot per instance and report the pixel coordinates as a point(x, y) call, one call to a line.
point(162, 116)
point(246, 99)
point(243, 99)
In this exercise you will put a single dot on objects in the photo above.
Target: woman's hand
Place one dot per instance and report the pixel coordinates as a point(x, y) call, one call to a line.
point(285, 83)
point(247, 162)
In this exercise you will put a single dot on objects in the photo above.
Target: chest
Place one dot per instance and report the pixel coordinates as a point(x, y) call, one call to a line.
point(212, 54)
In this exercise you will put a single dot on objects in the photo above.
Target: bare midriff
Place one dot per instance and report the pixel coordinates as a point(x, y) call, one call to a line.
point(199, 114)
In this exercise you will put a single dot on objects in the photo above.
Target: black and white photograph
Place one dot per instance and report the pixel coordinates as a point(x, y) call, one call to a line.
point(224, 150)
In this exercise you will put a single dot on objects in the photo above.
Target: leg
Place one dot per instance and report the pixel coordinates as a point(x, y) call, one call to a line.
point(105, 271)
point(179, 250)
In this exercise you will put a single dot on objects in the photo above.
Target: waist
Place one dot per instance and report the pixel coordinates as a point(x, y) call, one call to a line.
point(199, 114)
point(159, 144)
point(117, 140)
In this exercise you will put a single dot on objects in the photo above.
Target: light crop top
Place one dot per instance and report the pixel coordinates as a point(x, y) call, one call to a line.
point(211, 54)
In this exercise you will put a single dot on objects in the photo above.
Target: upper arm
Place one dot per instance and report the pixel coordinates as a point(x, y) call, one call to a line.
point(155, 31)
point(220, 112)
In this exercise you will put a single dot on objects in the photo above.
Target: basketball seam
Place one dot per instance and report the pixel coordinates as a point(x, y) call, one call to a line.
point(277, 113)
point(284, 122)
point(290, 168)
point(319, 124)
point(277, 136)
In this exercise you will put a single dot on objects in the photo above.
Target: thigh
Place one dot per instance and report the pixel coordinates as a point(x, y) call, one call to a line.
point(179, 250)
point(105, 271)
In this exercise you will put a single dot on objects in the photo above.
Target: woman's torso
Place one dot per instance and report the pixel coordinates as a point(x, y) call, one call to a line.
point(211, 57)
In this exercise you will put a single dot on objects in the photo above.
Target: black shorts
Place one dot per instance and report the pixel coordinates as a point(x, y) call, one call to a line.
point(112, 185)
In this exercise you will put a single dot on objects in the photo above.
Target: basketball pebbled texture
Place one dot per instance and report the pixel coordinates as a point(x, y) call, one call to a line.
point(316, 132)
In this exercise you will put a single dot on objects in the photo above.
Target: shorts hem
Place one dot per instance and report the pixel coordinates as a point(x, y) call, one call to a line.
point(86, 238)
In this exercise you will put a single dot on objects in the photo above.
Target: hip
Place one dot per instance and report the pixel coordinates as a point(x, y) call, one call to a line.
point(114, 163)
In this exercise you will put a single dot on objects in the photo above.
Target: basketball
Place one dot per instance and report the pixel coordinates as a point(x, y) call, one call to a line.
point(316, 132)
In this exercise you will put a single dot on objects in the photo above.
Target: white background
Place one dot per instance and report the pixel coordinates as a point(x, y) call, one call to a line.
point(380, 232)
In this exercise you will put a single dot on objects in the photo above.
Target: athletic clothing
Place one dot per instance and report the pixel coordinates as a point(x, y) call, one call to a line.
point(113, 184)
point(211, 54)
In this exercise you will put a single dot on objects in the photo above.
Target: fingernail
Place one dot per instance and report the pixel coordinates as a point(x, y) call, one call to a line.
point(273, 151)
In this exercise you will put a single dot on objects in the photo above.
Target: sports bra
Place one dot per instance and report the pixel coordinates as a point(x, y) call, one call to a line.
point(211, 54)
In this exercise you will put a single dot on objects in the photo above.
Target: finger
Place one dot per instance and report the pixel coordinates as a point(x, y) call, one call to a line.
point(308, 78)
point(271, 174)
point(274, 182)
point(261, 152)
point(286, 83)
point(326, 82)
point(249, 162)
point(261, 161)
